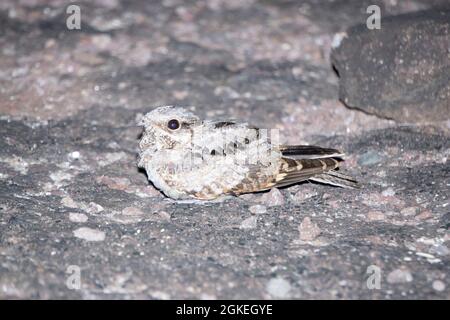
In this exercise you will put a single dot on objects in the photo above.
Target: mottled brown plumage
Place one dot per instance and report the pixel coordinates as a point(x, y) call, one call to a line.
point(187, 158)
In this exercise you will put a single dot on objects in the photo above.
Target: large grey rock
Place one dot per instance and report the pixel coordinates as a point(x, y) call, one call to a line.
point(401, 71)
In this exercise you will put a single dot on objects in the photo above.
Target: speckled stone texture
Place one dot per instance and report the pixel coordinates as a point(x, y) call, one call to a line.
point(72, 198)
point(401, 71)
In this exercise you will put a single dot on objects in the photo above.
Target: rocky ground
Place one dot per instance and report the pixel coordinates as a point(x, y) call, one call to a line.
point(72, 201)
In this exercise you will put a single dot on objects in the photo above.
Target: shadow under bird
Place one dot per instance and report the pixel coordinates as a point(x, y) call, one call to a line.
point(189, 158)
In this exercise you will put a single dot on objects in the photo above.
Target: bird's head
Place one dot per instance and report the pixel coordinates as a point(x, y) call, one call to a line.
point(169, 126)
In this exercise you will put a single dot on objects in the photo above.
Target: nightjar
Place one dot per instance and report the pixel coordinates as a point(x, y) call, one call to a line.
point(189, 158)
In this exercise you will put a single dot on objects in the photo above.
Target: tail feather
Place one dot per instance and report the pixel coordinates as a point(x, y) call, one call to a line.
point(337, 179)
point(309, 152)
point(316, 164)
point(297, 164)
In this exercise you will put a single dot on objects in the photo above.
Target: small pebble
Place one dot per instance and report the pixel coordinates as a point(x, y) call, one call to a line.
point(89, 234)
point(249, 223)
point(438, 285)
point(304, 194)
point(407, 259)
point(258, 209)
point(75, 155)
point(389, 192)
point(278, 288)
point(343, 283)
point(93, 208)
point(308, 230)
point(369, 158)
point(77, 217)
point(164, 215)
point(376, 216)
point(116, 183)
point(132, 211)
point(399, 276)
point(424, 215)
point(69, 202)
point(60, 176)
point(409, 211)
point(273, 198)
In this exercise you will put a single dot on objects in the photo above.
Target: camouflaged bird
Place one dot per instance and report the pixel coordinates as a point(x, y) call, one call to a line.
point(189, 158)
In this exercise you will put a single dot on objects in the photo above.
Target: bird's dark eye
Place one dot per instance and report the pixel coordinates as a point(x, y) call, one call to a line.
point(173, 124)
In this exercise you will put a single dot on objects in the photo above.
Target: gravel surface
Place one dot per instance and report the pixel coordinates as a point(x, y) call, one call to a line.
point(79, 220)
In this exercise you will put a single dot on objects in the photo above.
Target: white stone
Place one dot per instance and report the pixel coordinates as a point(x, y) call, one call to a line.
point(438, 285)
point(278, 288)
point(273, 198)
point(389, 192)
point(399, 276)
point(249, 223)
point(78, 217)
point(69, 202)
point(308, 230)
point(258, 209)
point(89, 234)
point(75, 155)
